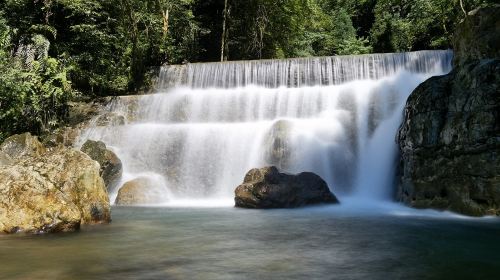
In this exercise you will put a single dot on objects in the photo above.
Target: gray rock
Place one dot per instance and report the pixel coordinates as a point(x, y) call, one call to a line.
point(268, 188)
point(450, 142)
point(477, 37)
point(450, 137)
point(111, 166)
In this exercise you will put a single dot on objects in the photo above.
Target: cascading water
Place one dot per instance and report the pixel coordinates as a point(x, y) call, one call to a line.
point(209, 123)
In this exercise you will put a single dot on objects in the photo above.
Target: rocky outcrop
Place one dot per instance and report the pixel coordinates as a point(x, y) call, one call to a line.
point(268, 188)
point(110, 119)
point(141, 191)
point(56, 191)
point(85, 110)
point(111, 166)
point(83, 115)
point(21, 145)
point(65, 136)
point(450, 136)
point(478, 36)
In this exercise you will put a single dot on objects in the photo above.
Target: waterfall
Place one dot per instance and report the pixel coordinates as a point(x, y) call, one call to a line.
point(209, 123)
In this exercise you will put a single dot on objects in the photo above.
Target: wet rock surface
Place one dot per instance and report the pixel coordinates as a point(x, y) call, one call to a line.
point(141, 191)
point(268, 188)
point(110, 119)
point(450, 137)
point(111, 168)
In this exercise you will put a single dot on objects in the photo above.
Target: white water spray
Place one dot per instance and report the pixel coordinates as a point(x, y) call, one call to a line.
point(210, 123)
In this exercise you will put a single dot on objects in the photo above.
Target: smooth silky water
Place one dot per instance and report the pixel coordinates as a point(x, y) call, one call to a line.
point(226, 243)
point(208, 124)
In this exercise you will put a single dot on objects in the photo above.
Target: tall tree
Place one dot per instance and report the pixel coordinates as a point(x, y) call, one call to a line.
point(224, 31)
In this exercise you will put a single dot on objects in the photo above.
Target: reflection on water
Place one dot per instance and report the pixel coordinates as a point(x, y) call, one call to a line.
point(228, 243)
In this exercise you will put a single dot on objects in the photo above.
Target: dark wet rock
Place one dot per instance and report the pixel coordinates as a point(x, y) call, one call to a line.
point(477, 37)
point(111, 166)
point(141, 191)
point(268, 188)
point(450, 137)
point(450, 142)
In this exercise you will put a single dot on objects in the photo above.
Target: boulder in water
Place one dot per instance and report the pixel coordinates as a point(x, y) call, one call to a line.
point(111, 166)
point(54, 193)
point(268, 188)
point(141, 191)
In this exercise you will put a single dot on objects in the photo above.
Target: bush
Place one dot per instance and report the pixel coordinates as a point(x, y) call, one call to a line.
point(34, 88)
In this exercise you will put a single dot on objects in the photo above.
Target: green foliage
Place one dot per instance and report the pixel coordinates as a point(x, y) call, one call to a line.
point(34, 88)
point(337, 35)
point(111, 47)
point(404, 25)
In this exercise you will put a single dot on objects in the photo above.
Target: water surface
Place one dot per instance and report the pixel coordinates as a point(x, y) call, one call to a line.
point(228, 243)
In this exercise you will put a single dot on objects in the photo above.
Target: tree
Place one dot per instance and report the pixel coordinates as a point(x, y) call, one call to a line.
point(224, 31)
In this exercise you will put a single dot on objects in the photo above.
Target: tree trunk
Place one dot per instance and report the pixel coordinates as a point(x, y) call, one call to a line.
point(165, 15)
point(224, 32)
point(462, 6)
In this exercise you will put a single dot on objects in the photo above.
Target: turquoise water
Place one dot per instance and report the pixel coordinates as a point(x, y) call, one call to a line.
point(227, 243)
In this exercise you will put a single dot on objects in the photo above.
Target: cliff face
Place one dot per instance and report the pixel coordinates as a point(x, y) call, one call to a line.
point(450, 137)
point(478, 37)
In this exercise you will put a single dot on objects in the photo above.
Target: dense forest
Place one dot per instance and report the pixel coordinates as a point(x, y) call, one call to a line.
point(52, 51)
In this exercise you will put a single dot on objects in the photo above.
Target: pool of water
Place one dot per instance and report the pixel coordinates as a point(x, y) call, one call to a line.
point(227, 243)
